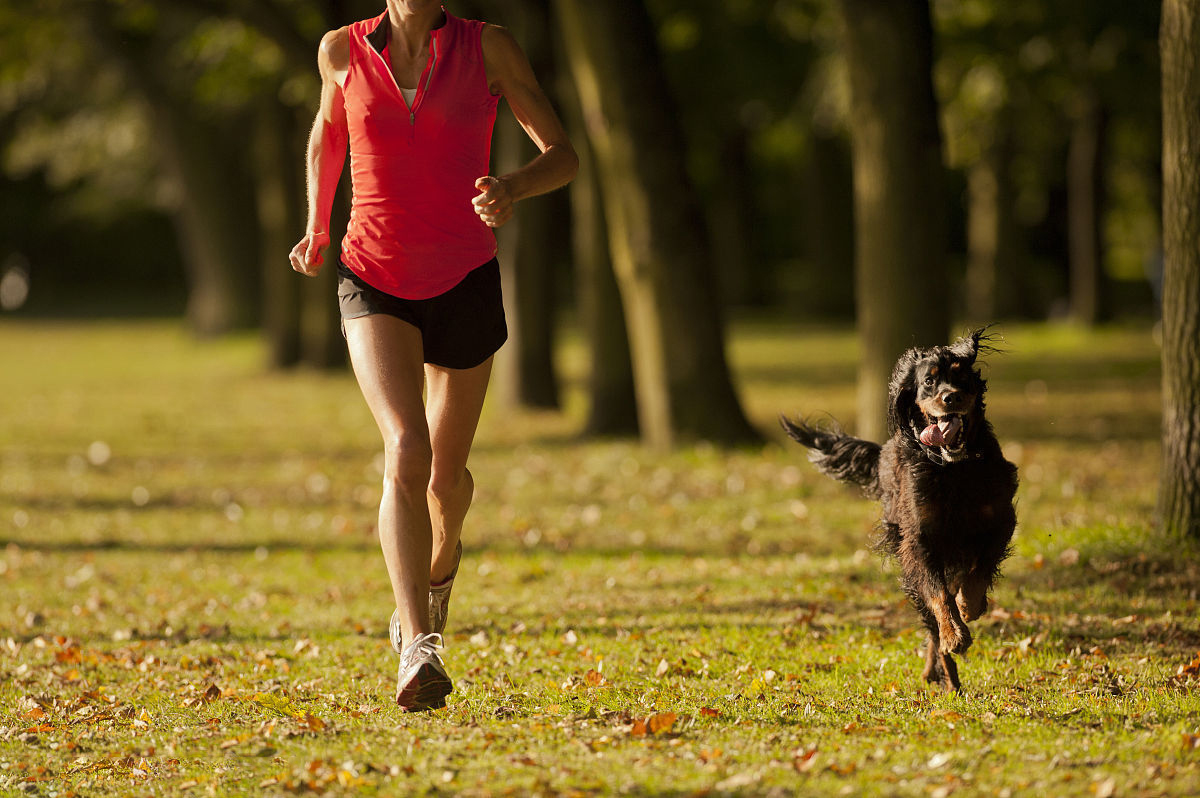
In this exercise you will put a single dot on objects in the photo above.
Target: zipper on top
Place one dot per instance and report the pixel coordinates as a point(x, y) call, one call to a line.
point(422, 86)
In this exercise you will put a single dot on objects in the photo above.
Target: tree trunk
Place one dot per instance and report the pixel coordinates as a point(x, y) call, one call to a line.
point(529, 245)
point(1179, 495)
point(1085, 209)
point(993, 237)
point(826, 231)
point(900, 253)
point(280, 215)
point(612, 407)
point(731, 222)
point(215, 218)
point(207, 159)
point(656, 228)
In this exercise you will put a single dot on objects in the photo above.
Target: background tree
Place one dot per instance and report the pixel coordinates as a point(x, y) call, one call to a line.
point(612, 404)
point(99, 208)
point(1179, 503)
point(535, 244)
point(656, 230)
point(197, 133)
point(901, 276)
point(1046, 116)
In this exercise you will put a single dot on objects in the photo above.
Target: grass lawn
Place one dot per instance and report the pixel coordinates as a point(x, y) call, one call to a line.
point(194, 602)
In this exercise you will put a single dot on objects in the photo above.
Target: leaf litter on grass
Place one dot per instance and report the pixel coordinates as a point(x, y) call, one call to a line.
point(609, 587)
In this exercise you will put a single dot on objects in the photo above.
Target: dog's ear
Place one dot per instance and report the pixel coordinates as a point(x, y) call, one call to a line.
point(902, 390)
point(974, 344)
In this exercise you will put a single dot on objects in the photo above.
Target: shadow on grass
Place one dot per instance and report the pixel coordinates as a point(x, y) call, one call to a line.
point(188, 546)
point(769, 551)
point(1121, 572)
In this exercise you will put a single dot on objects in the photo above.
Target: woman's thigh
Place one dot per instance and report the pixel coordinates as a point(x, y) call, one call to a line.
point(386, 354)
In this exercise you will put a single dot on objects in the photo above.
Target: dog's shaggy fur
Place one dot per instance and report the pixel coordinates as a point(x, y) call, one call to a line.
point(946, 490)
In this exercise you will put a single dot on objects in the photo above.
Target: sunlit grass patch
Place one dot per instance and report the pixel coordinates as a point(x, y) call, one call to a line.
point(195, 602)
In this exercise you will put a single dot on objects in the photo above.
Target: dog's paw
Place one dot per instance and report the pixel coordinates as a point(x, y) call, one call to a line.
point(955, 639)
point(970, 609)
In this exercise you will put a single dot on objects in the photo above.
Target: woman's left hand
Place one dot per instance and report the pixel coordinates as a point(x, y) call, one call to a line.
point(494, 203)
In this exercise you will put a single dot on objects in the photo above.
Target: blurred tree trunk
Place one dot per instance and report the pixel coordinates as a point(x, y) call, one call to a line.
point(301, 321)
point(828, 226)
point(1179, 495)
point(280, 214)
point(901, 275)
point(656, 227)
point(215, 218)
point(1085, 211)
point(207, 158)
point(612, 406)
point(994, 262)
point(732, 226)
point(531, 243)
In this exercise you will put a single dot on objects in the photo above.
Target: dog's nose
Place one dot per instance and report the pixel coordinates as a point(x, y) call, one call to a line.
point(952, 399)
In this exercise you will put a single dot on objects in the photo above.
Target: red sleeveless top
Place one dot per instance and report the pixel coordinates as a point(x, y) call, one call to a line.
point(413, 232)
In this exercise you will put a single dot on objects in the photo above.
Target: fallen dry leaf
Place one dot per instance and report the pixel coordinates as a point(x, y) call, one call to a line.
point(661, 723)
point(312, 722)
point(804, 760)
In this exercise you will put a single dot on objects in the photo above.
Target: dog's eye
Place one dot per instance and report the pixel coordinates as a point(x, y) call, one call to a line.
point(928, 379)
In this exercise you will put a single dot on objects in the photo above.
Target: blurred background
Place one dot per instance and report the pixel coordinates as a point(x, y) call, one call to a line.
point(152, 162)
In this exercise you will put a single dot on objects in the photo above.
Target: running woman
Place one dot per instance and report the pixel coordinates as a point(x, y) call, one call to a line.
point(411, 95)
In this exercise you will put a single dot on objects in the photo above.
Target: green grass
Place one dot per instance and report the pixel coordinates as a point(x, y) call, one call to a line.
point(194, 603)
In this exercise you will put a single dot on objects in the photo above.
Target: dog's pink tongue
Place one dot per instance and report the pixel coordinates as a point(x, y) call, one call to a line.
point(942, 433)
point(931, 435)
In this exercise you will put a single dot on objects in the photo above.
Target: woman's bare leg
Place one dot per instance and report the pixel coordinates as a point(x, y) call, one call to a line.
point(387, 357)
point(454, 404)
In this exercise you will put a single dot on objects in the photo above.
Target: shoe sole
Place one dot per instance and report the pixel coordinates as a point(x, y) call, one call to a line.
point(426, 690)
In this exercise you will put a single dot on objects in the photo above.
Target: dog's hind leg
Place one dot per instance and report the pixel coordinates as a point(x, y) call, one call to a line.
point(950, 681)
point(932, 672)
point(940, 668)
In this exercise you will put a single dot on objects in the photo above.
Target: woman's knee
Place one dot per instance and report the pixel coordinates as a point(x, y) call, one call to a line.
point(408, 462)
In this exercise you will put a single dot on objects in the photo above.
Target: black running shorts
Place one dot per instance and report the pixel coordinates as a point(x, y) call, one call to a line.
point(460, 329)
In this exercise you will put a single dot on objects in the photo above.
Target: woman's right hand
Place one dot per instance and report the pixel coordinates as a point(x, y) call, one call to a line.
point(306, 256)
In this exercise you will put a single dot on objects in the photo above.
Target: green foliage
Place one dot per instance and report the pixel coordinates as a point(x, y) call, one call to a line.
point(195, 601)
point(760, 85)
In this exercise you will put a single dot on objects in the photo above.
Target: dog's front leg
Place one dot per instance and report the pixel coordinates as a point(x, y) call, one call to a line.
point(927, 586)
point(972, 597)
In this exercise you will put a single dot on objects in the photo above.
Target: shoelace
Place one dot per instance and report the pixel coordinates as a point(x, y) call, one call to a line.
point(424, 646)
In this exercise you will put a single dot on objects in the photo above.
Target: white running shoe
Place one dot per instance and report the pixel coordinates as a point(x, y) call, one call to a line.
point(439, 597)
point(421, 681)
point(439, 607)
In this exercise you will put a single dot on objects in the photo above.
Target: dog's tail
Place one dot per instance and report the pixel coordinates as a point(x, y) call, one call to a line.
point(837, 454)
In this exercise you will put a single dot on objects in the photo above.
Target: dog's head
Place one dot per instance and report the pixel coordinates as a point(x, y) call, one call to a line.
point(936, 397)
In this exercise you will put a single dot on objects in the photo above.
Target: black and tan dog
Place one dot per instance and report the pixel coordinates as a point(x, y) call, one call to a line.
point(946, 490)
